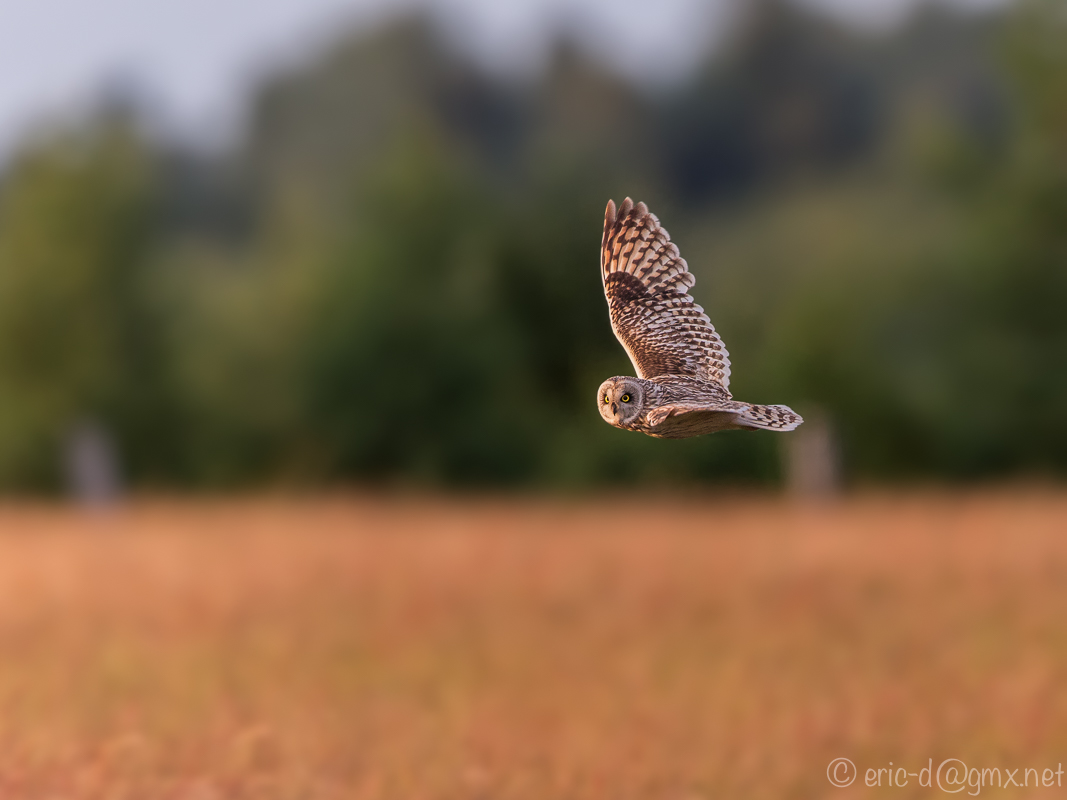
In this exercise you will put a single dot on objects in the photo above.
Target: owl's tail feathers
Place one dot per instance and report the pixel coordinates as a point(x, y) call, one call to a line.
point(768, 418)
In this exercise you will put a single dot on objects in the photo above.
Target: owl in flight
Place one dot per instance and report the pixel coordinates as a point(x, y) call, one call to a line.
point(683, 383)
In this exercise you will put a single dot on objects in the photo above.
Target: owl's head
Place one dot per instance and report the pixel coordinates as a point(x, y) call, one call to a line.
point(620, 400)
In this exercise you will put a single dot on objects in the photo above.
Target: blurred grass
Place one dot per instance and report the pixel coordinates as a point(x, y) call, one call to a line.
point(399, 647)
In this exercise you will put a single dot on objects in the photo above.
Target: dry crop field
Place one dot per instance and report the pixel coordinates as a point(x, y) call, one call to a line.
point(499, 649)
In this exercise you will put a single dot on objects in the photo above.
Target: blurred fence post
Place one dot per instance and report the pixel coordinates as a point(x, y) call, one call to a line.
point(813, 459)
point(91, 465)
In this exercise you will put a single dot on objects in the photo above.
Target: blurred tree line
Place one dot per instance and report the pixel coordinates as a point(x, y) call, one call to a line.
point(394, 277)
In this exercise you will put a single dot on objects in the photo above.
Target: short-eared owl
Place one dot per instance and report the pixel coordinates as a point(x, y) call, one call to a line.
point(683, 383)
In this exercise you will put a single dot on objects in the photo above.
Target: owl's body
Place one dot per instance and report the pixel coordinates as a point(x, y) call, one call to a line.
point(679, 406)
point(683, 368)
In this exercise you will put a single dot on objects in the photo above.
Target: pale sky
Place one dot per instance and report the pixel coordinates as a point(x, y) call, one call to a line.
point(197, 59)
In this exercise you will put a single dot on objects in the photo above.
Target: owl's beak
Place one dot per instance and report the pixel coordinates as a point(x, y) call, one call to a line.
point(614, 408)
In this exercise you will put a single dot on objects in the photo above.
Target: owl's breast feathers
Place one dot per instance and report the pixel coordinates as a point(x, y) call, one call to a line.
point(670, 390)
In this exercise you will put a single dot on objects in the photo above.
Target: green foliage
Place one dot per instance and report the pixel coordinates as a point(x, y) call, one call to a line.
point(74, 227)
point(395, 279)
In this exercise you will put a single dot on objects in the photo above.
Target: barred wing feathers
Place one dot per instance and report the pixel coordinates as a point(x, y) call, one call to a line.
point(743, 415)
point(647, 285)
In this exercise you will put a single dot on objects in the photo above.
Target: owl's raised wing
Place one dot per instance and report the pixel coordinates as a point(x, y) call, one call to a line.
point(647, 285)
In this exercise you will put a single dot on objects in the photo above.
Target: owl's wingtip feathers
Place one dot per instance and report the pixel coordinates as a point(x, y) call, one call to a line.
point(770, 418)
point(613, 214)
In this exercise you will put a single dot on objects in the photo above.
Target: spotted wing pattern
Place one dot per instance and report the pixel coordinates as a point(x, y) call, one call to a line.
point(743, 415)
point(647, 286)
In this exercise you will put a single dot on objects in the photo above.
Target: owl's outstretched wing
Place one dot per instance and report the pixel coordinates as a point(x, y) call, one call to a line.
point(647, 285)
point(740, 415)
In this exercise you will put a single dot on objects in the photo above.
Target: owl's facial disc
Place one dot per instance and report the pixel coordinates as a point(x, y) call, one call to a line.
point(619, 401)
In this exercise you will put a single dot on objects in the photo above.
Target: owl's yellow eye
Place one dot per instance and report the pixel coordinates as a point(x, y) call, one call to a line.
point(626, 398)
point(605, 400)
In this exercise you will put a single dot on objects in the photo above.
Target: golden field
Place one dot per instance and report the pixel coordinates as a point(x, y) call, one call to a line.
point(514, 649)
